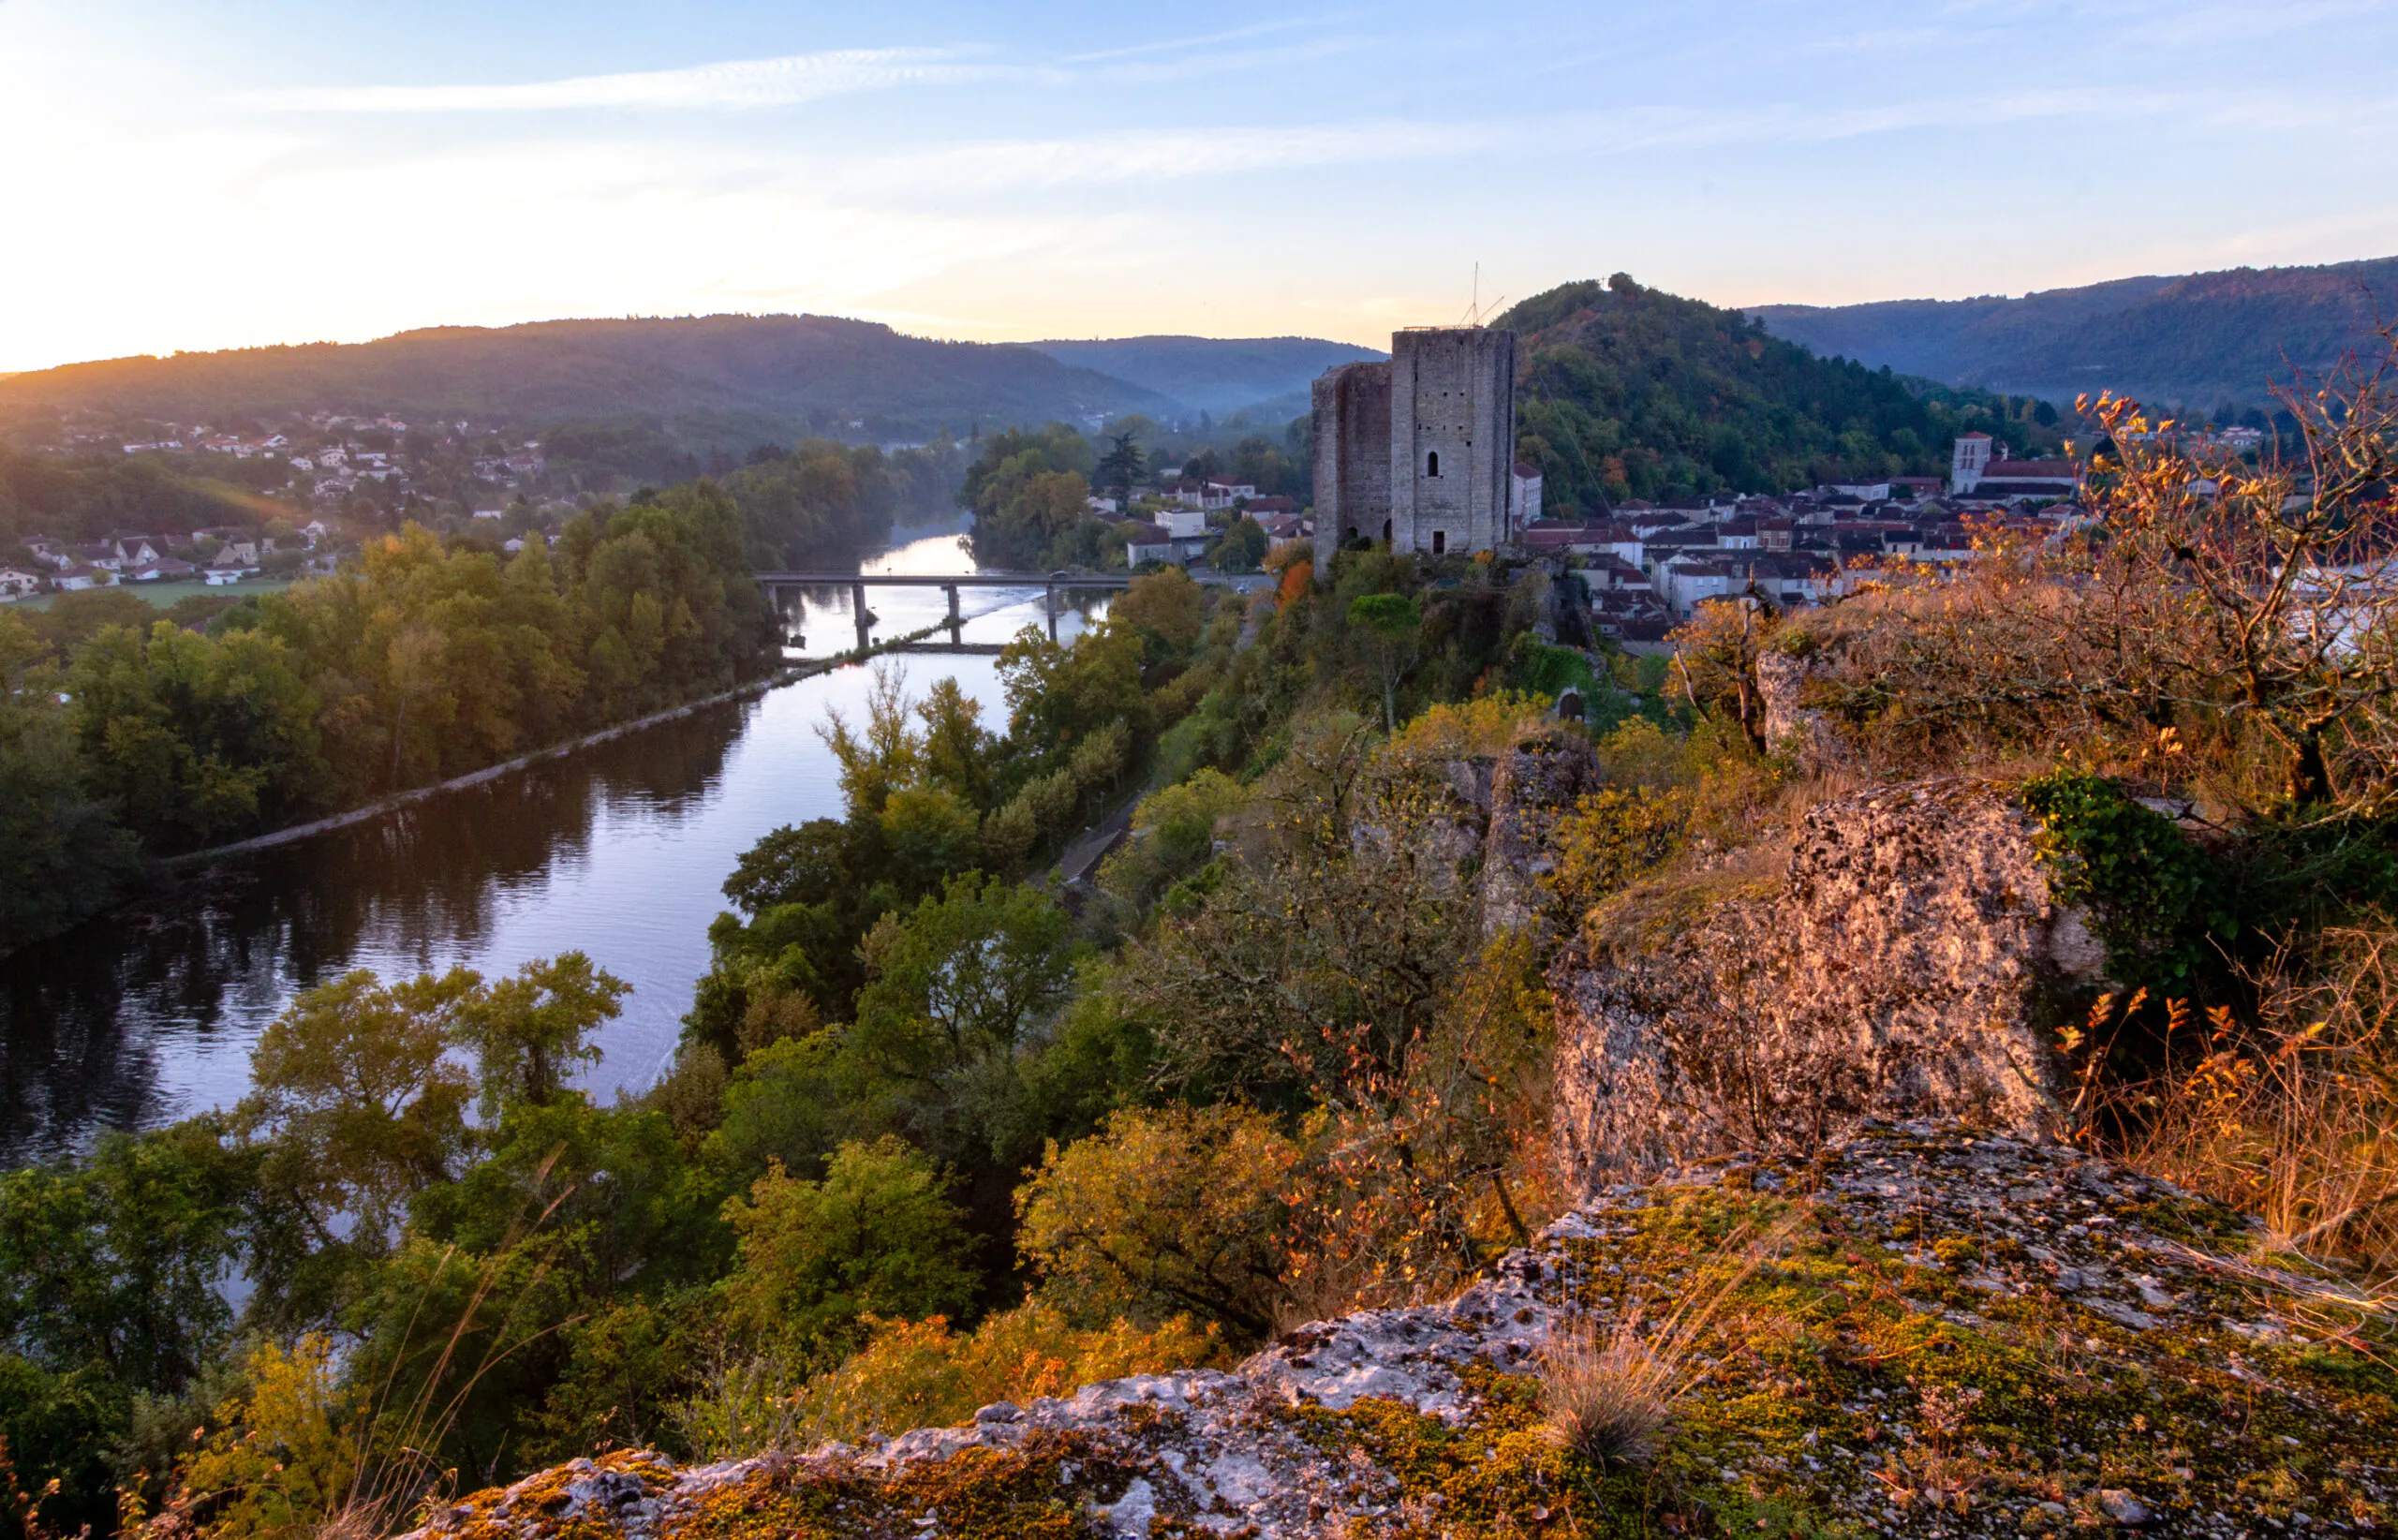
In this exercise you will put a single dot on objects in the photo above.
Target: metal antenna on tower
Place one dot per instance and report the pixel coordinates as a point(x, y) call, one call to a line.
point(1475, 311)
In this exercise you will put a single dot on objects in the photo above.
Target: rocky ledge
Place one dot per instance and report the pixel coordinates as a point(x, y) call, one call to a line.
point(1948, 1333)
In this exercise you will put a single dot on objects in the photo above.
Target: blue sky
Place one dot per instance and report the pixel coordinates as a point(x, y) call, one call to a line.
point(207, 173)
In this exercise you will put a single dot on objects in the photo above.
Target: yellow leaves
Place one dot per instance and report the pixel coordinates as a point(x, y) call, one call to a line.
point(923, 1374)
point(291, 1450)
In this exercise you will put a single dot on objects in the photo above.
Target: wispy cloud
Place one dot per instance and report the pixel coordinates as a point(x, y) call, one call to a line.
point(738, 84)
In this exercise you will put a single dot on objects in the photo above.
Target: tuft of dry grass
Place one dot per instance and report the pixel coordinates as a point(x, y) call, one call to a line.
point(1610, 1396)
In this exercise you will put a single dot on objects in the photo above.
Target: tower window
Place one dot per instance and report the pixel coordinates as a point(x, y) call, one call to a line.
point(1432, 464)
point(1440, 541)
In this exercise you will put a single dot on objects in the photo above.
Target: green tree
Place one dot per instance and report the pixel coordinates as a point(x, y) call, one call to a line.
point(877, 1236)
point(61, 856)
point(1165, 604)
point(187, 739)
point(1240, 548)
point(928, 832)
point(113, 1263)
point(355, 1086)
point(1164, 1213)
point(1059, 695)
point(957, 751)
point(883, 754)
point(957, 990)
point(1390, 629)
point(1123, 465)
point(527, 1031)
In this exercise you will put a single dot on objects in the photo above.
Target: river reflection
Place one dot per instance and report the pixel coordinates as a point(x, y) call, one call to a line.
point(149, 1014)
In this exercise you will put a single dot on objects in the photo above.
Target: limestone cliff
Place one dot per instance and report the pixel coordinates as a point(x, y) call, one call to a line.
point(1906, 960)
point(1952, 1335)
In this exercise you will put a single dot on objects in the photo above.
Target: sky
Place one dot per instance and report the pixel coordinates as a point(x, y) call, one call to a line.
point(212, 173)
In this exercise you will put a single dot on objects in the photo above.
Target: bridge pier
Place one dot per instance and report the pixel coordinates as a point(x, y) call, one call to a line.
point(785, 590)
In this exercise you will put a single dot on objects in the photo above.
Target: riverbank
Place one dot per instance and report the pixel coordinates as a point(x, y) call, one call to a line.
point(398, 800)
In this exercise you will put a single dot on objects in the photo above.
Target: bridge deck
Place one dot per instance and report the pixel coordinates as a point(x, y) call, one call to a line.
point(959, 580)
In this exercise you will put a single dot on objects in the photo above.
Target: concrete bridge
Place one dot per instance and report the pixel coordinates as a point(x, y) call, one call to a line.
point(1050, 584)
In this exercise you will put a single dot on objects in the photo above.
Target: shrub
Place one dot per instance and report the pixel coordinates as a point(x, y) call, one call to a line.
point(878, 1236)
point(2290, 1118)
point(1615, 837)
point(1163, 1213)
point(1610, 1396)
point(287, 1455)
point(925, 1374)
point(2145, 884)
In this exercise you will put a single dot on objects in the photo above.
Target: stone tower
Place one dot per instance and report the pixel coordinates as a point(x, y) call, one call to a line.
point(1418, 450)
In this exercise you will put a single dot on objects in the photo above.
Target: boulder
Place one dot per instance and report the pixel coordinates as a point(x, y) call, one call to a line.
point(1907, 960)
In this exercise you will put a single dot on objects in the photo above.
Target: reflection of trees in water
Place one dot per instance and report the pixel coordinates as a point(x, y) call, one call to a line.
point(87, 1021)
point(65, 1066)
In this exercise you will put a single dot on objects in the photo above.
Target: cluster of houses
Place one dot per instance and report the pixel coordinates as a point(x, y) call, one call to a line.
point(1179, 528)
point(326, 446)
point(227, 554)
point(522, 463)
point(1645, 568)
point(1648, 567)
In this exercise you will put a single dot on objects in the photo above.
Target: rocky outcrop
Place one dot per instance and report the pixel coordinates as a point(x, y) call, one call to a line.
point(1790, 725)
point(1908, 961)
point(1537, 782)
point(1942, 1333)
point(1492, 819)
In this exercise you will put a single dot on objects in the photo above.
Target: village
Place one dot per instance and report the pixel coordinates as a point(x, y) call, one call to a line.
point(1645, 568)
point(311, 481)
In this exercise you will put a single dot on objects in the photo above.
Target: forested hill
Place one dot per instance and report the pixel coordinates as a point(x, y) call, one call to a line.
point(1629, 391)
point(1217, 375)
point(811, 371)
point(2204, 341)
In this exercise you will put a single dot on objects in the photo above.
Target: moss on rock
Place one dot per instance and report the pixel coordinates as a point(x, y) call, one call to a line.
point(1923, 1331)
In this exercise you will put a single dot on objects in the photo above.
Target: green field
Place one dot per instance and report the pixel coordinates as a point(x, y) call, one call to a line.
point(160, 595)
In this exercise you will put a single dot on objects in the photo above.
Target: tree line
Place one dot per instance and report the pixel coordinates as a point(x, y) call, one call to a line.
point(423, 659)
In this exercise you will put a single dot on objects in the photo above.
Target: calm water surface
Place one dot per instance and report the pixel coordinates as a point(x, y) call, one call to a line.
point(149, 1015)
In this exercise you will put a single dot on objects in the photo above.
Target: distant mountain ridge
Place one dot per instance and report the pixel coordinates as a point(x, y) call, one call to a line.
point(1214, 375)
point(790, 370)
point(2202, 340)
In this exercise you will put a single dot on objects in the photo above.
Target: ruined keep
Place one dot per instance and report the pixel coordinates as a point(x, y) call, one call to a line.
point(1417, 451)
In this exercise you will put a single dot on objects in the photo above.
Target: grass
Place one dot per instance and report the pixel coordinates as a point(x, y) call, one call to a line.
point(2294, 1119)
point(1611, 1399)
point(161, 595)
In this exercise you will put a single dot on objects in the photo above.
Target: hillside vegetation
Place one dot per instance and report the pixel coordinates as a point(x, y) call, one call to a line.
point(938, 1138)
point(814, 370)
point(2206, 340)
point(1631, 392)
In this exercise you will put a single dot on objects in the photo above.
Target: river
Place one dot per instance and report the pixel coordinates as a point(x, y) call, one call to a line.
point(149, 1014)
